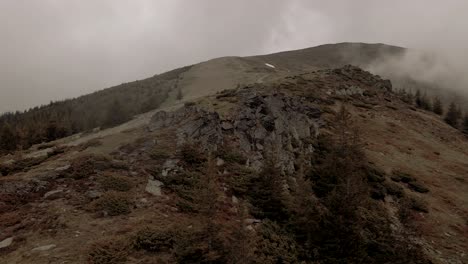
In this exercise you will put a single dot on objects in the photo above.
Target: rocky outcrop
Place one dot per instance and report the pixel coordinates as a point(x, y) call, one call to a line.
point(277, 125)
point(357, 74)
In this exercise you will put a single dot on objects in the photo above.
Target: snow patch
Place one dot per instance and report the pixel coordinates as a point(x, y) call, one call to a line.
point(269, 65)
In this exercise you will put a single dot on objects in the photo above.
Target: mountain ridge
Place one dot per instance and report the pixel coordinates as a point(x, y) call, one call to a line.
point(262, 157)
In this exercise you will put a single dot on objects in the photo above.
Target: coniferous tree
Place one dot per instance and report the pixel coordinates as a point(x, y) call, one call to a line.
point(115, 115)
point(8, 138)
point(452, 115)
point(465, 124)
point(267, 193)
point(459, 113)
point(425, 103)
point(437, 106)
point(417, 98)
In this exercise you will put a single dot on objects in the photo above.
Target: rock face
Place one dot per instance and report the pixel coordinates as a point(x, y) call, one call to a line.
point(261, 124)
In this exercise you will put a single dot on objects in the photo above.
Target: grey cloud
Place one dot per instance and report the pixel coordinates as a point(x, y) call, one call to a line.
point(54, 49)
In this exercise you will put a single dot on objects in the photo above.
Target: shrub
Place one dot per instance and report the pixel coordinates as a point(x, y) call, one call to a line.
point(400, 176)
point(241, 178)
point(87, 165)
point(159, 154)
point(115, 183)
point(374, 174)
point(274, 245)
point(90, 143)
point(418, 187)
point(394, 189)
point(191, 154)
point(200, 246)
point(113, 203)
point(407, 206)
point(418, 204)
point(108, 251)
point(232, 156)
point(154, 240)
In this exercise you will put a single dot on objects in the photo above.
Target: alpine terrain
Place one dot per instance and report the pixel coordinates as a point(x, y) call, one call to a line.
point(303, 156)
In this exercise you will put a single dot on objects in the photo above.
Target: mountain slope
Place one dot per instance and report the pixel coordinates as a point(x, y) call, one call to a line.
point(68, 117)
point(321, 166)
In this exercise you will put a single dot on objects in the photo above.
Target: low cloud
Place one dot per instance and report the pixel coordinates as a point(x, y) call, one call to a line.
point(59, 49)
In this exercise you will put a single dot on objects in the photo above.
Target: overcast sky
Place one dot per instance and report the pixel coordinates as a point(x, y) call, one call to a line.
point(55, 49)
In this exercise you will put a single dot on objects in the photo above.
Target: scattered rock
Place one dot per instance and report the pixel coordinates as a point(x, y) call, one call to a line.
point(418, 187)
point(48, 176)
point(251, 221)
point(154, 187)
point(219, 162)
point(93, 194)
point(55, 194)
point(168, 166)
point(63, 168)
point(8, 162)
point(45, 248)
point(6, 242)
point(234, 199)
point(226, 125)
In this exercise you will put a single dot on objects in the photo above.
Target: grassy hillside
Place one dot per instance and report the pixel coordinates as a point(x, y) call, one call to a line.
point(326, 167)
point(115, 105)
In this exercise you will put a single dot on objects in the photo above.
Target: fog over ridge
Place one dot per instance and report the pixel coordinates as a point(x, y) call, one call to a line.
point(53, 50)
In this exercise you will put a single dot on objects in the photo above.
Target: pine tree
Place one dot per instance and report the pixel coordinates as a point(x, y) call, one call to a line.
point(418, 98)
point(179, 94)
point(115, 115)
point(465, 124)
point(459, 113)
point(425, 104)
point(437, 106)
point(452, 115)
point(241, 246)
point(267, 193)
point(8, 138)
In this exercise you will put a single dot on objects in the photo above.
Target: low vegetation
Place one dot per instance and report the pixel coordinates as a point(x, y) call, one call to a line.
point(87, 165)
point(21, 165)
point(113, 204)
point(154, 240)
point(111, 182)
point(108, 251)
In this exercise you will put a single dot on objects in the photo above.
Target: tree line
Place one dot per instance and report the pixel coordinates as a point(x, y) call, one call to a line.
point(105, 108)
point(452, 115)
